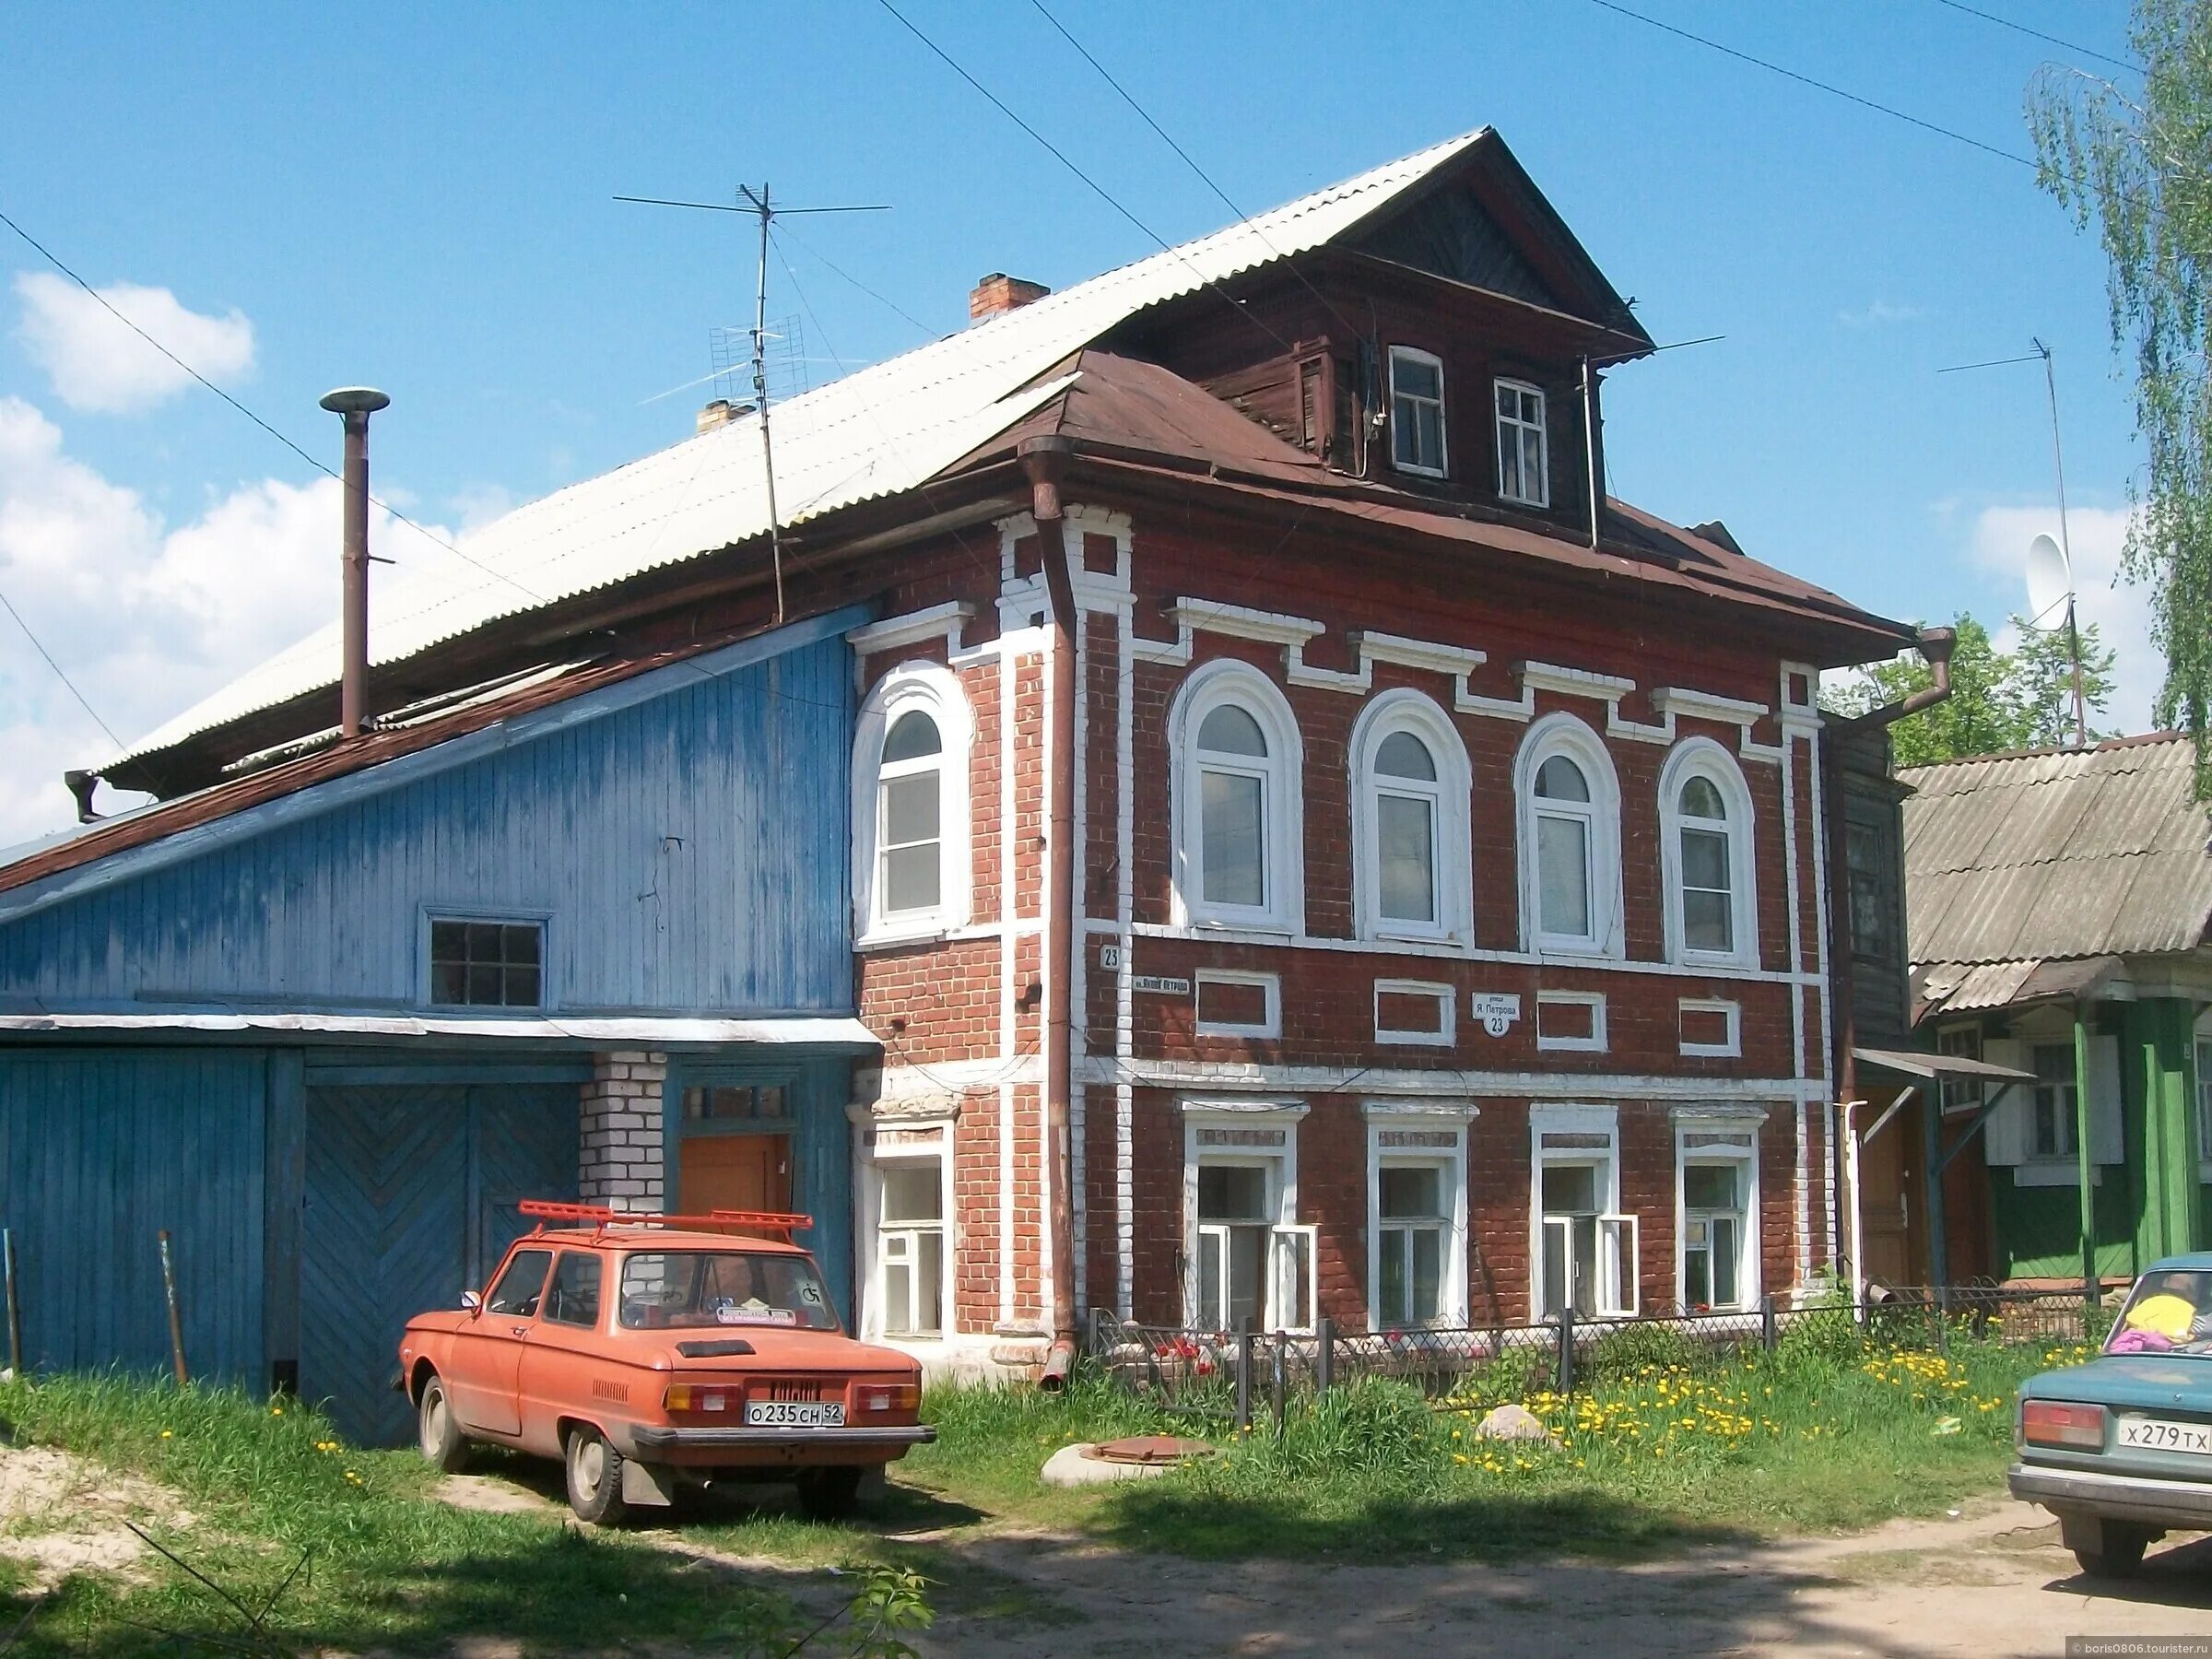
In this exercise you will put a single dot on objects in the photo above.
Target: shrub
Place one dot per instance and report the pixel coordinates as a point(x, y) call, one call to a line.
point(1628, 1350)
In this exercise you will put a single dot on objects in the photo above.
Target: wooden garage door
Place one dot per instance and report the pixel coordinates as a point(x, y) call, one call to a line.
point(410, 1198)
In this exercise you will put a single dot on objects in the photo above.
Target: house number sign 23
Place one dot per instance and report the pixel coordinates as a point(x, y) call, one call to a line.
point(1497, 1010)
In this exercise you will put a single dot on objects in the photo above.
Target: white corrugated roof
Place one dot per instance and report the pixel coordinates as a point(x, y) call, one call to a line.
point(883, 430)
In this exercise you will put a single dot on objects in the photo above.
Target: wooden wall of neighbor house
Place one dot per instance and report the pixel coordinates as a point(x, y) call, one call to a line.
point(1870, 913)
point(686, 852)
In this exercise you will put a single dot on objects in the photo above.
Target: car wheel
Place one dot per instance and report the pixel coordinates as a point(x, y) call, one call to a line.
point(829, 1494)
point(594, 1478)
point(2122, 1554)
point(438, 1430)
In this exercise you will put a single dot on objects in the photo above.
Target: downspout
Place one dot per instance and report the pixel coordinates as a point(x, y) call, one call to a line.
point(1045, 461)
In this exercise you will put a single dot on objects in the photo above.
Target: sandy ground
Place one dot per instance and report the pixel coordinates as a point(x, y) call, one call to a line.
point(61, 1515)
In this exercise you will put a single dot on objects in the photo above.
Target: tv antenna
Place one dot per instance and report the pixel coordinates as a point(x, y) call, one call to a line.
point(759, 204)
point(2050, 563)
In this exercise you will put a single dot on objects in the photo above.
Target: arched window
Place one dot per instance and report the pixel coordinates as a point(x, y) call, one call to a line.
point(1237, 806)
point(1409, 821)
point(1569, 820)
point(909, 805)
point(1705, 854)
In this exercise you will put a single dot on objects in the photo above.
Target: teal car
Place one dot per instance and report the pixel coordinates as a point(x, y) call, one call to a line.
point(2120, 1450)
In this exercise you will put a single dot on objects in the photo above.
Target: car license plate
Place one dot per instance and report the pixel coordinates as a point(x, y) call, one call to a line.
point(794, 1413)
point(2163, 1434)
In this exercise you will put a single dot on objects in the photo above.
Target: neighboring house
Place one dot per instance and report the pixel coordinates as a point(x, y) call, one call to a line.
point(2059, 904)
point(1295, 846)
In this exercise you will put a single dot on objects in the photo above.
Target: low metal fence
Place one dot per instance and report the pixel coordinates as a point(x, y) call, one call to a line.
point(1232, 1376)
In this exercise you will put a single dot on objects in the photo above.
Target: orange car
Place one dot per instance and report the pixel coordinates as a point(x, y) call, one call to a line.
point(645, 1351)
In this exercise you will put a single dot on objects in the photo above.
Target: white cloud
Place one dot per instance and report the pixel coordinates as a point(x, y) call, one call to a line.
point(145, 617)
point(1998, 543)
point(97, 365)
point(1880, 312)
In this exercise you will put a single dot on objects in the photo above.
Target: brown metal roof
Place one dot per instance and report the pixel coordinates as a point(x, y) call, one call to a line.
point(2013, 860)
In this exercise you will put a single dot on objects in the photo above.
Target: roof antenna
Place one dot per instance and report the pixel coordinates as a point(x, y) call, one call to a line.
point(758, 204)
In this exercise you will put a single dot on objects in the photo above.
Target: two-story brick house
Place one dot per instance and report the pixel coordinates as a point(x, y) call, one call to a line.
point(1302, 847)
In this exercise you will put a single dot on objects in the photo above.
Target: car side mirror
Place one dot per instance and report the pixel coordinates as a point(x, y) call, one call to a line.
point(471, 1302)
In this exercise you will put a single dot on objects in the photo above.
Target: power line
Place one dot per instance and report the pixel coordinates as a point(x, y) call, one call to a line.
point(36, 645)
point(2102, 57)
point(1820, 86)
point(1098, 189)
point(103, 302)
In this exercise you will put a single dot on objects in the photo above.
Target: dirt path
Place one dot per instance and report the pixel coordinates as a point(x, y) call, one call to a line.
point(1993, 1581)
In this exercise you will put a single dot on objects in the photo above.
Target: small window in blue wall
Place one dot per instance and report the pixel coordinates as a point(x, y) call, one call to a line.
point(487, 964)
point(753, 1103)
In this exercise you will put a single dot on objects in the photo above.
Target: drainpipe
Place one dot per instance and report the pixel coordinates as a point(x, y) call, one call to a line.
point(1045, 461)
point(1936, 645)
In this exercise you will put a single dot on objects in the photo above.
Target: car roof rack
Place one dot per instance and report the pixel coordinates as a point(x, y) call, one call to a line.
point(601, 1217)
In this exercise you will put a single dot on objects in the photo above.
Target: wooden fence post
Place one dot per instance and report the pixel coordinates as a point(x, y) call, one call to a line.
point(1567, 1347)
point(176, 1322)
point(1244, 1379)
point(1325, 1358)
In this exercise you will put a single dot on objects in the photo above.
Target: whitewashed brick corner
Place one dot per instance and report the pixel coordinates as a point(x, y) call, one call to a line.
point(621, 1162)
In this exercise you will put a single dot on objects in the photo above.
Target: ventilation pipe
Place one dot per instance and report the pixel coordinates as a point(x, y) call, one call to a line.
point(1045, 461)
point(355, 405)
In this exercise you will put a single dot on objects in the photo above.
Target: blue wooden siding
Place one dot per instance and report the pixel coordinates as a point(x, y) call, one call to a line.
point(689, 853)
point(101, 1150)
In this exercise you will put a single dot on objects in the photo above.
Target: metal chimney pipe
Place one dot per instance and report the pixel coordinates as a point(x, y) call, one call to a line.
point(355, 405)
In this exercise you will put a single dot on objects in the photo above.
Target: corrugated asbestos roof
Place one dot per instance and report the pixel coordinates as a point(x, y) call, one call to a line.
point(2014, 860)
point(877, 431)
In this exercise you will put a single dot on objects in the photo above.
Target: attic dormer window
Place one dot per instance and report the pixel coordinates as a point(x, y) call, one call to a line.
point(1416, 412)
point(1523, 467)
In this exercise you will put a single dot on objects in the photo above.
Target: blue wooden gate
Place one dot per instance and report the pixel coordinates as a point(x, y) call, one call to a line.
point(410, 1198)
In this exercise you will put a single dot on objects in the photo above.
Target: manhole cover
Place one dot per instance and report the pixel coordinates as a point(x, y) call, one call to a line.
point(1149, 1449)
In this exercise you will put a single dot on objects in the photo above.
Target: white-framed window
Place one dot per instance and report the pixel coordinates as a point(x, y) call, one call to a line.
point(1716, 1199)
point(1248, 1259)
point(1238, 809)
point(1961, 1042)
point(1416, 1207)
point(1233, 1002)
point(1417, 1012)
point(1524, 458)
point(2035, 1130)
point(1416, 412)
point(1583, 1247)
point(1568, 802)
point(910, 873)
point(1412, 871)
point(1711, 1027)
point(1571, 1022)
point(906, 1227)
point(2054, 1104)
point(1705, 852)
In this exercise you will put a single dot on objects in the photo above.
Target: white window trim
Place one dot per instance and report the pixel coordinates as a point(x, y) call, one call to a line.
point(1270, 1025)
point(1446, 1035)
point(1730, 1047)
point(932, 1140)
point(1595, 1043)
point(1547, 1119)
point(1283, 810)
point(1720, 1120)
point(1282, 1168)
point(1414, 354)
point(1404, 710)
point(932, 688)
point(1562, 733)
point(1702, 758)
point(1444, 1117)
point(1498, 422)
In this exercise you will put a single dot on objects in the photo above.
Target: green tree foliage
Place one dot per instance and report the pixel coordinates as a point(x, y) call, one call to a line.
point(2000, 700)
point(2138, 166)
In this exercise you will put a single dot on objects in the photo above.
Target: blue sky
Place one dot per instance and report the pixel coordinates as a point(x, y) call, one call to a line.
point(418, 197)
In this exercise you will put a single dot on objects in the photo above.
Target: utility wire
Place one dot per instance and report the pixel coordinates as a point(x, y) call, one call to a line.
point(1097, 189)
point(1820, 86)
point(103, 302)
point(2050, 40)
point(83, 701)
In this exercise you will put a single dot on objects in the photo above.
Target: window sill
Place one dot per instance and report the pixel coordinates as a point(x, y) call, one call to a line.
point(1514, 501)
point(1271, 928)
point(1435, 474)
point(1715, 959)
point(2054, 1172)
point(888, 938)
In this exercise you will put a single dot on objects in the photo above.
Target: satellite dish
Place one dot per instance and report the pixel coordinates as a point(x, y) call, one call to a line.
point(2049, 583)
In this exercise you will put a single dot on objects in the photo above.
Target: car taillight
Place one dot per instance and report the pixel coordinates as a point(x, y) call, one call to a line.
point(2056, 1423)
point(690, 1397)
point(886, 1399)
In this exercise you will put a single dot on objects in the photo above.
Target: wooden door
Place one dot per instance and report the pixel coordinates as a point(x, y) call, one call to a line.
point(1887, 1210)
point(734, 1172)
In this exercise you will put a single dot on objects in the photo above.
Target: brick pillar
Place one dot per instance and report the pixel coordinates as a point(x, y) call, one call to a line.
point(621, 1162)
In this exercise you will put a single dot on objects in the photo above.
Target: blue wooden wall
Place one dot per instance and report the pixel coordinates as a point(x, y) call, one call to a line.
point(689, 853)
point(100, 1149)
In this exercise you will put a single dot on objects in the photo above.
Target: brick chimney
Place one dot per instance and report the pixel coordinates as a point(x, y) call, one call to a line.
point(999, 292)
